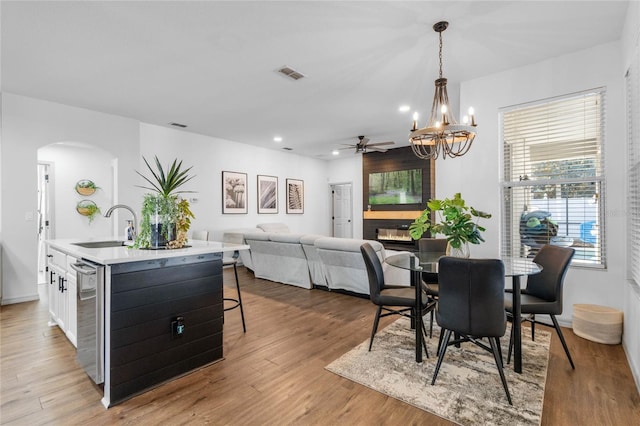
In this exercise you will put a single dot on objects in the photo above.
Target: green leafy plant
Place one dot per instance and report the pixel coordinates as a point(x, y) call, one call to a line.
point(163, 211)
point(455, 220)
point(88, 209)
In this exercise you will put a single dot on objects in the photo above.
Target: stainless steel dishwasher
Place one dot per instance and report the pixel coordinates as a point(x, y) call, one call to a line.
point(90, 352)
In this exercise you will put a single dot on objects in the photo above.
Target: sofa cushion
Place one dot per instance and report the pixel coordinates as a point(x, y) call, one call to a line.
point(346, 244)
point(273, 227)
point(256, 236)
point(285, 238)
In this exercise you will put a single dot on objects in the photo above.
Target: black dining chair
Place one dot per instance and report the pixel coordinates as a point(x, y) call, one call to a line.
point(437, 246)
point(389, 298)
point(543, 293)
point(470, 305)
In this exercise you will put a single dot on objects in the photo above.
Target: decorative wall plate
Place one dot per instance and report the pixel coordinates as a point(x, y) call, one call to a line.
point(85, 187)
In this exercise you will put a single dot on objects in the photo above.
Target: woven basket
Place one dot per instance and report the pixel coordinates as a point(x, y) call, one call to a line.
point(599, 324)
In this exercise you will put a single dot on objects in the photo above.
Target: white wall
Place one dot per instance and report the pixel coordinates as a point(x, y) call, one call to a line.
point(477, 173)
point(27, 125)
point(71, 163)
point(210, 156)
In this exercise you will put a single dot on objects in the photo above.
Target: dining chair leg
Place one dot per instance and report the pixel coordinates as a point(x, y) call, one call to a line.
point(495, 347)
point(424, 340)
point(440, 340)
point(431, 324)
point(510, 344)
point(533, 327)
point(441, 352)
point(374, 330)
point(561, 336)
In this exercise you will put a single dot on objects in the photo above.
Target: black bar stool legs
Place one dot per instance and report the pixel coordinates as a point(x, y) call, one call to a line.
point(237, 303)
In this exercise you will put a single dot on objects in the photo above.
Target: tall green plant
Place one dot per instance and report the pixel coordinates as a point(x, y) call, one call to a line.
point(455, 220)
point(164, 182)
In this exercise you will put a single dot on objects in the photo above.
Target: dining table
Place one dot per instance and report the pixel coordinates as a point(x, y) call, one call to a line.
point(515, 267)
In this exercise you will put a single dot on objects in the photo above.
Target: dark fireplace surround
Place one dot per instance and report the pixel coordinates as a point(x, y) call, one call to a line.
point(389, 224)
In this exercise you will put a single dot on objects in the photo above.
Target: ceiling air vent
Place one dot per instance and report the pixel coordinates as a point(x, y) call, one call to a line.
point(291, 73)
point(178, 125)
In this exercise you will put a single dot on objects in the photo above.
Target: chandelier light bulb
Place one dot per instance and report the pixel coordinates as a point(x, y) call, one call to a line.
point(415, 121)
point(465, 119)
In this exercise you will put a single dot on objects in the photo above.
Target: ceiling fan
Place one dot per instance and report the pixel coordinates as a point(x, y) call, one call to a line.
point(363, 145)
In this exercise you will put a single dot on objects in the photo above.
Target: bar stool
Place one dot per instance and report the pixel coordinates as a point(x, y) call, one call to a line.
point(236, 303)
point(227, 261)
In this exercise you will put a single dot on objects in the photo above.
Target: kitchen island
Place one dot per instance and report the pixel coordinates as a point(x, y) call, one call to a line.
point(155, 314)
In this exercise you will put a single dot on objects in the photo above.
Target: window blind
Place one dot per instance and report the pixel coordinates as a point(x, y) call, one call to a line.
point(633, 186)
point(553, 176)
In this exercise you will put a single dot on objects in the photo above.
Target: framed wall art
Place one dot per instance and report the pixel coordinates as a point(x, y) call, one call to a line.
point(234, 193)
point(267, 194)
point(295, 196)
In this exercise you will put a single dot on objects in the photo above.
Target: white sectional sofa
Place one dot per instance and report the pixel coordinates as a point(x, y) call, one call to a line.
point(307, 260)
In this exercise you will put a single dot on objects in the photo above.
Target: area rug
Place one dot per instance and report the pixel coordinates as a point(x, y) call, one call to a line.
point(468, 390)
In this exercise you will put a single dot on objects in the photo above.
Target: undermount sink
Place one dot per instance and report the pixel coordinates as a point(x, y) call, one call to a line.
point(100, 244)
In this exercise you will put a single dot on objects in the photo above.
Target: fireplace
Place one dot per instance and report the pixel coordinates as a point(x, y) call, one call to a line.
point(393, 234)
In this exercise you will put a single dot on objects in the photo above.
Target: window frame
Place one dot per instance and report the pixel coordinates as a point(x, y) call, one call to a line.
point(510, 220)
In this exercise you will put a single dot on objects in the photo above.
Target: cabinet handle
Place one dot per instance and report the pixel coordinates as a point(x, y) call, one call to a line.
point(51, 274)
point(62, 287)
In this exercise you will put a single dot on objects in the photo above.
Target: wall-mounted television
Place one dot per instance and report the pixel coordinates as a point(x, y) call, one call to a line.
point(396, 187)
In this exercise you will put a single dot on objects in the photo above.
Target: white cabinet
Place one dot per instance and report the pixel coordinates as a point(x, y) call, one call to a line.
point(62, 294)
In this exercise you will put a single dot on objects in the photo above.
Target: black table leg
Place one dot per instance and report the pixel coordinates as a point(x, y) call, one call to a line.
point(517, 330)
point(416, 278)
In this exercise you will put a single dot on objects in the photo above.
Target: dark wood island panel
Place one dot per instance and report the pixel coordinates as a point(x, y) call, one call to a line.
point(150, 300)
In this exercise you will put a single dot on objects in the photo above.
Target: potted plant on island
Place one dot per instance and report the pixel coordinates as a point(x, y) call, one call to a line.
point(165, 216)
point(455, 220)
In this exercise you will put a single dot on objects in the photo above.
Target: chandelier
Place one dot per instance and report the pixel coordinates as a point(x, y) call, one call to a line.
point(442, 135)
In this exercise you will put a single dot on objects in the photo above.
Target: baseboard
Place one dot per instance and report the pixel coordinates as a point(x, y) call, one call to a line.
point(12, 300)
point(635, 369)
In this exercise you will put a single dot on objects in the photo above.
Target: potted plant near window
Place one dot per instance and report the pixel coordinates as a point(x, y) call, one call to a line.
point(165, 216)
point(453, 219)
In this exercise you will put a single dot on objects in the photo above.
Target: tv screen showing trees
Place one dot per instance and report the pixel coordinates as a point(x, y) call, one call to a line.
point(397, 187)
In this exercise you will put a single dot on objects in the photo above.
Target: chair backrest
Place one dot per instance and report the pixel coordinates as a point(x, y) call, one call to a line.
point(471, 296)
point(547, 285)
point(200, 235)
point(374, 272)
point(433, 245)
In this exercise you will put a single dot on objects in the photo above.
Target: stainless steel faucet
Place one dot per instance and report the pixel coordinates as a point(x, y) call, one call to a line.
point(123, 206)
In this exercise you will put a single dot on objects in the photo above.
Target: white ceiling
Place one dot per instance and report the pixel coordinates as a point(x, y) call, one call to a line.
point(211, 64)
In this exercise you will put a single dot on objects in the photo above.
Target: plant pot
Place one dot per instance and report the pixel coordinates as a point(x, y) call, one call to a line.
point(161, 234)
point(462, 252)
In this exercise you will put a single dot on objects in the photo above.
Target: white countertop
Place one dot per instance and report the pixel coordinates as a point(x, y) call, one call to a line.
point(124, 254)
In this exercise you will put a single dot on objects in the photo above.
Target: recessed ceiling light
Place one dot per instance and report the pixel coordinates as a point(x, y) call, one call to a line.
point(277, 139)
point(335, 152)
point(404, 108)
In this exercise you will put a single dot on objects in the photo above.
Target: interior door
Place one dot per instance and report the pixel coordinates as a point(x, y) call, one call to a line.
point(341, 196)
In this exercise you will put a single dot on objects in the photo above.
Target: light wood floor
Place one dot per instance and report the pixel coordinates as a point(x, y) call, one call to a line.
point(274, 374)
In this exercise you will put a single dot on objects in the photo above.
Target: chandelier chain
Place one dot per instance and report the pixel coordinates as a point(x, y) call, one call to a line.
point(440, 54)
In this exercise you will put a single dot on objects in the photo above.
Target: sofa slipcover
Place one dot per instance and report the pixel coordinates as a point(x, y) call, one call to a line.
point(279, 257)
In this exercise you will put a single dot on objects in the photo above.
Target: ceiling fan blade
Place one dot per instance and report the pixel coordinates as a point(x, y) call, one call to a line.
point(381, 143)
point(364, 140)
point(373, 148)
